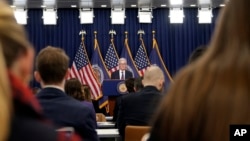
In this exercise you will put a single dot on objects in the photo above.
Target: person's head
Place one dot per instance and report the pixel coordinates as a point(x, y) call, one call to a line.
point(197, 53)
point(138, 84)
point(87, 92)
point(51, 66)
point(18, 52)
point(212, 93)
point(130, 85)
point(73, 87)
point(122, 64)
point(154, 76)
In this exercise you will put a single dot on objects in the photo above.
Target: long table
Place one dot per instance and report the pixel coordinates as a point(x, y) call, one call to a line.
point(108, 133)
point(105, 124)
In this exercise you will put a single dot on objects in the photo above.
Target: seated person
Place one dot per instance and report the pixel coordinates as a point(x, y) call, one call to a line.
point(138, 108)
point(51, 71)
point(75, 89)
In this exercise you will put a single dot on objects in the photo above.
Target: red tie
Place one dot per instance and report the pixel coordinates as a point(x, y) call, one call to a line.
point(122, 78)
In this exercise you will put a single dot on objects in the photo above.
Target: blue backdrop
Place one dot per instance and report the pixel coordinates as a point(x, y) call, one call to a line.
point(176, 41)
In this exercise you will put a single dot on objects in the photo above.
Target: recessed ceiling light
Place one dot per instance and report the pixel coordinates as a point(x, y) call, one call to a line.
point(103, 5)
point(163, 5)
point(43, 6)
point(222, 5)
point(73, 6)
point(192, 5)
point(12, 6)
point(133, 5)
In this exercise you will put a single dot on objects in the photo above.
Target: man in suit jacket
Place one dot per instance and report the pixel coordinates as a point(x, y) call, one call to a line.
point(52, 69)
point(138, 108)
point(122, 73)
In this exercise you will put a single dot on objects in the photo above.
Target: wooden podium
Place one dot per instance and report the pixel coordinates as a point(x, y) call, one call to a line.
point(113, 88)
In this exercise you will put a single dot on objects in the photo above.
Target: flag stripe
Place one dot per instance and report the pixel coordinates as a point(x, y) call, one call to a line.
point(82, 70)
point(141, 58)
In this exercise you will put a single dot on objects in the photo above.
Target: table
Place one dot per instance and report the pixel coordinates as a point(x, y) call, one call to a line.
point(105, 124)
point(109, 118)
point(108, 133)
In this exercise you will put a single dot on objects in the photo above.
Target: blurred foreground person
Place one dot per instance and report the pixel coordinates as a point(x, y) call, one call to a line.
point(213, 92)
point(5, 100)
point(27, 122)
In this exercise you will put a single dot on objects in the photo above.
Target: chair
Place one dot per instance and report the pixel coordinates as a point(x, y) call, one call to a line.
point(100, 117)
point(135, 133)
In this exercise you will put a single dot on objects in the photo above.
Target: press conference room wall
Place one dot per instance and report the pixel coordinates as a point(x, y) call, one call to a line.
point(175, 41)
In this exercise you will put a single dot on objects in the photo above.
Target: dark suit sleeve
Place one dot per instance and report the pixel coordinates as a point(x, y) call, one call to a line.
point(120, 119)
point(130, 74)
point(113, 75)
point(87, 125)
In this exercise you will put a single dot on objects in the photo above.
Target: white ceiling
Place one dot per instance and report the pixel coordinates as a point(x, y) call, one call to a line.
point(110, 3)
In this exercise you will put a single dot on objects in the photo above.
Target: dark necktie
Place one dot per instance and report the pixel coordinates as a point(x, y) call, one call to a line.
point(122, 78)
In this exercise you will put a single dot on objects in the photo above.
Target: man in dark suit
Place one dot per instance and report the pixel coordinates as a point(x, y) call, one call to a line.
point(122, 73)
point(52, 69)
point(138, 108)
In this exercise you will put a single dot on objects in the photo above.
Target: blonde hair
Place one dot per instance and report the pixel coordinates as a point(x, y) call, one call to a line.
point(13, 43)
point(212, 93)
point(5, 102)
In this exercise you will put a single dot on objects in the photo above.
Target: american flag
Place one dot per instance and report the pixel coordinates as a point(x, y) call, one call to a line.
point(82, 70)
point(141, 59)
point(111, 58)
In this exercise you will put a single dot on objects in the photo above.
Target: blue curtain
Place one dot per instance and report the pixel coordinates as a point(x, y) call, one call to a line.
point(176, 41)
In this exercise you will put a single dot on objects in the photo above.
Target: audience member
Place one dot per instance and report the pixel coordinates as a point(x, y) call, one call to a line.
point(130, 89)
point(138, 84)
point(212, 93)
point(27, 122)
point(122, 73)
point(138, 108)
point(5, 99)
point(51, 71)
point(129, 83)
point(197, 53)
point(74, 88)
point(87, 93)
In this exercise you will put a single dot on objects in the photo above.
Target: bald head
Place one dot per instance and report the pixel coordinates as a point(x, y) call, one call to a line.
point(153, 76)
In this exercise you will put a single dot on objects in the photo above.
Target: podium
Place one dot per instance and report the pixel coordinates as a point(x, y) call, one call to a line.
point(113, 88)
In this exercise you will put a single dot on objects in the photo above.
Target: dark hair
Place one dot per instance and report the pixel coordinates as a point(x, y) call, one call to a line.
point(213, 92)
point(87, 92)
point(130, 84)
point(197, 53)
point(138, 84)
point(52, 64)
point(73, 87)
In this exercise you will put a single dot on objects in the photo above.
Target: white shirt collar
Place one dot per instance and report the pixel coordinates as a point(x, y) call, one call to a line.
point(53, 86)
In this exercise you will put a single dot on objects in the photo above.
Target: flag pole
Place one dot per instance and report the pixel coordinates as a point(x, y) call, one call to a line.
point(153, 34)
point(141, 32)
point(82, 33)
point(95, 32)
point(126, 34)
point(112, 33)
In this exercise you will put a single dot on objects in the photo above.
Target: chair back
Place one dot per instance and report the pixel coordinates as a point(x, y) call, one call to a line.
point(135, 133)
point(100, 117)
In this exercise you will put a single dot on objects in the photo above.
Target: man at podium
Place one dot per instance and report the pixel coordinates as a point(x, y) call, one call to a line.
point(122, 73)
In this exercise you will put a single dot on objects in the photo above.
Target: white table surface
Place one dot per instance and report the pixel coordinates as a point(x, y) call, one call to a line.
point(109, 118)
point(108, 133)
point(105, 124)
